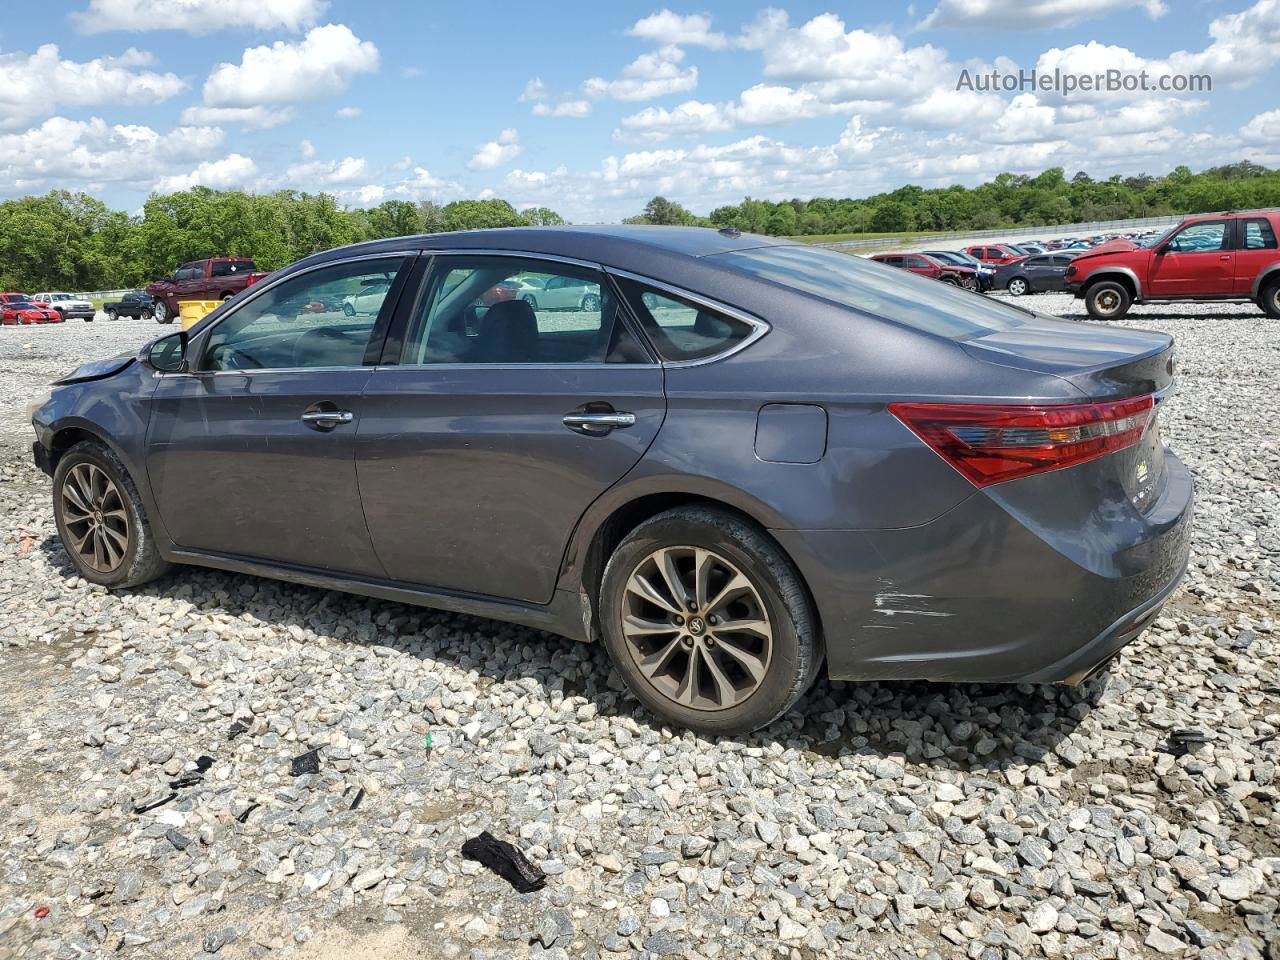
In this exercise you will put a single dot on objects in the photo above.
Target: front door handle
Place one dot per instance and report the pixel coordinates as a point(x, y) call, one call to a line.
point(327, 418)
point(1225, 256)
point(598, 423)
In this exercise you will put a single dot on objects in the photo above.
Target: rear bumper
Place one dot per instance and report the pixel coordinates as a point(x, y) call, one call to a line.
point(985, 594)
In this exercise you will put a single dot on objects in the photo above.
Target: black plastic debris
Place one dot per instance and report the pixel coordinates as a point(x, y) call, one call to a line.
point(237, 729)
point(356, 802)
point(147, 807)
point(1182, 741)
point(506, 860)
point(247, 810)
point(305, 763)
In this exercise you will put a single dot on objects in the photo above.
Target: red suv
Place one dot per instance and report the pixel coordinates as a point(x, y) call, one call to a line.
point(996, 253)
point(1214, 256)
point(927, 266)
point(220, 278)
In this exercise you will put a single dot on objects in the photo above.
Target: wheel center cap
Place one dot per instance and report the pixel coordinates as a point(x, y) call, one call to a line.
point(696, 625)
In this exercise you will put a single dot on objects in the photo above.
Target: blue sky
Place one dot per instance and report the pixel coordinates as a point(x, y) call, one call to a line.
point(592, 108)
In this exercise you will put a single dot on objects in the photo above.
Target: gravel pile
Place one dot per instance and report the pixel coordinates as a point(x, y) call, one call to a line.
point(1135, 817)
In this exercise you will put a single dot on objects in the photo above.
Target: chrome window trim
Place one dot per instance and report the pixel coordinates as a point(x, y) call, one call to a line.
point(522, 254)
point(759, 327)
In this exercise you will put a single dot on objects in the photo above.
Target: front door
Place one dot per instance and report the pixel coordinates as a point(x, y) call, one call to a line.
point(1195, 262)
point(481, 449)
point(253, 453)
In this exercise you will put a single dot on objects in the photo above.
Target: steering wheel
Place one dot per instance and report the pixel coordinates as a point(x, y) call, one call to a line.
point(229, 358)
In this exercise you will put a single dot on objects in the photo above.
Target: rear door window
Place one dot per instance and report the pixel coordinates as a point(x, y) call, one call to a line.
point(682, 329)
point(1259, 235)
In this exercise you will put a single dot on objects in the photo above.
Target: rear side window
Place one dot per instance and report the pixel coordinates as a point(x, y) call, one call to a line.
point(1258, 235)
point(228, 268)
point(682, 329)
point(913, 301)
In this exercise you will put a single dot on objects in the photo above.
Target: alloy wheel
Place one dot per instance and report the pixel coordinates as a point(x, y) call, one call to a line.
point(590, 303)
point(94, 515)
point(697, 628)
point(1017, 286)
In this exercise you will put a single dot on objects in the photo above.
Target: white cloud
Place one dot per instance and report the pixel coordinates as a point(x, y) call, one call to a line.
point(251, 118)
point(1030, 14)
point(198, 16)
point(319, 172)
point(534, 90)
point(650, 75)
point(306, 149)
point(1264, 128)
point(232, 171)
point(35, 85)
point(497, 152)
point(347, 113)
point(93, 151)
point(665, 27)
point(322, 64)
point(565, 108)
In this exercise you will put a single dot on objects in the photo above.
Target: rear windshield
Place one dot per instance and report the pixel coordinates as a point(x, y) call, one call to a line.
point(914, 301)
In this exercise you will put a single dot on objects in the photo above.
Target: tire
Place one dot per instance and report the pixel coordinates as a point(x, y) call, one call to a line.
point(163, 315)
point(970, 284)
point(120, 511)
point(112, 315)
point(1269, 299)
point(147, 313)
point(1107, 300)
point(1019, 286)
point(777, 600)
point(226, 296)
point(531, 300)
point(590, 303)
point(348, 309)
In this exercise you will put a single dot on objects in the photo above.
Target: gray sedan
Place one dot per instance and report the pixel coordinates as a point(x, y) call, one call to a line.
point(733, 460)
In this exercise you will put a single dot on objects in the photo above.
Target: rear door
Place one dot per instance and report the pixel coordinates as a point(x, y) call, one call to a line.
point(1255, 251)
point(487, 434)
point(1197, 261)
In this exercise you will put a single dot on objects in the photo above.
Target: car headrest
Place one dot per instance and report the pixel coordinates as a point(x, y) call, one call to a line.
point(509, 333)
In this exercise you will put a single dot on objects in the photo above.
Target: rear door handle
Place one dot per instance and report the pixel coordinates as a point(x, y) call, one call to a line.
point(327, 418)
point(598, 422)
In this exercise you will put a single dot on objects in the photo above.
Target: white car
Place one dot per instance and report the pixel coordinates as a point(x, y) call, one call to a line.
point(558, 293)
point(369, 299)
point(67, 304)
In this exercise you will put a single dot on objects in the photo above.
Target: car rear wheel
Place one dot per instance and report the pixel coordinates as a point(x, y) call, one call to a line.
point(531, 300)
point(112, 315)
point(708, 621)
point(1107, 300)
point(1270, 299)
point(101, 520)
point(147, 313)
point(1018, 286)
point(162, 312)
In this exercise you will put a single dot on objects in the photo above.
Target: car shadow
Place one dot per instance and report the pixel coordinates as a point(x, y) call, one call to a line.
point(966, 727)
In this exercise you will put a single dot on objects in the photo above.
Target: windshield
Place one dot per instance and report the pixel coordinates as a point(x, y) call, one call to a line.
point(896, 295)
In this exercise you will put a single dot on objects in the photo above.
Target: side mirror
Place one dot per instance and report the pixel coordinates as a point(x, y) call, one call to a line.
point(166, 355)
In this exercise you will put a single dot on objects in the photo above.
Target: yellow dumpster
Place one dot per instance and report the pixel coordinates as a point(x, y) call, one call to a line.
point(193, 311)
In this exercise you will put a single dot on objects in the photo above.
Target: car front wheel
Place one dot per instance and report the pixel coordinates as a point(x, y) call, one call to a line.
point(1107, 300)
point(708, 621)
point(1018, 286)
point(101, 520)
point(112, 315)
point(162, 312)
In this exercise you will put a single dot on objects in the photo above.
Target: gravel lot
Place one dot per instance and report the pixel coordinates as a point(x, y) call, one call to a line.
point(903, 819)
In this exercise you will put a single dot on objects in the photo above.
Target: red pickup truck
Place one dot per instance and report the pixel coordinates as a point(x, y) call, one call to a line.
point(1214, 256)
point(219, 278)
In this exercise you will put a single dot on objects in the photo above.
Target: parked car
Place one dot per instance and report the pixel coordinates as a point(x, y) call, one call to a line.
point(935, 269)
point(755, 459)
point(19, 308)
point(219, 278)
point(137, 305)
point(994, 253)
point(983, 271)
point(1026, 249)
point(1217, 256)
point(69, 305)
point(373, 291)
point(544, 292)
point(1042, 273)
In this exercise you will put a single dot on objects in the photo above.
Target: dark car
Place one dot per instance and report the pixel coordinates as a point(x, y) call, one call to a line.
point(219, 278)
point(982, 271)
point(741, 461)
point(1042, 273)
point(135, 305)
point(931, 267)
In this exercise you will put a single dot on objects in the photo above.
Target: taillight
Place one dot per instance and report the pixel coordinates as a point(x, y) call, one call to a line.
point(990, 444)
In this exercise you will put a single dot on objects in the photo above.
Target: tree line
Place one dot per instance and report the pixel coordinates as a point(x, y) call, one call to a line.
point(72, 241)
point(1009, 200)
